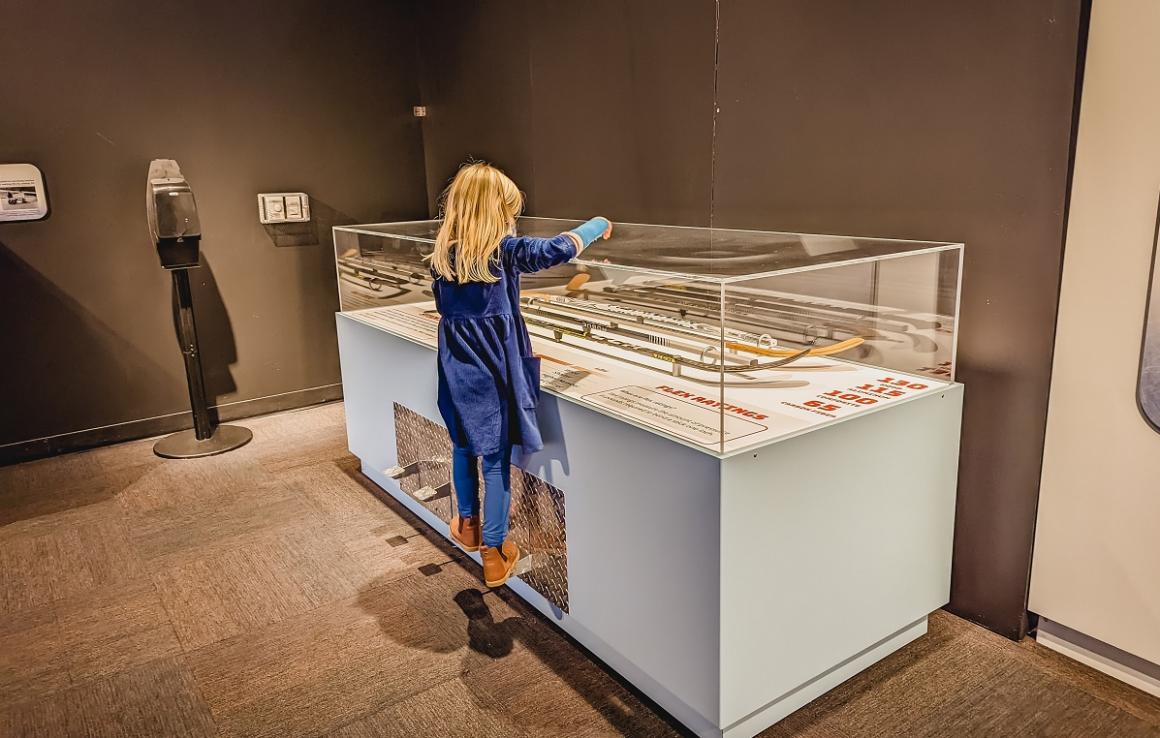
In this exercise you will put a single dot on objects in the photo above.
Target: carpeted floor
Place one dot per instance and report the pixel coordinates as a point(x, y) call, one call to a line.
point(267, 592)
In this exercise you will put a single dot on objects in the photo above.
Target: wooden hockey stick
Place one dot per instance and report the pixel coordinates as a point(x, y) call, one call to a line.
point(830, 350)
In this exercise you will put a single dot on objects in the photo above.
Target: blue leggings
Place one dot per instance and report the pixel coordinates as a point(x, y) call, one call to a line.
point(497, 488)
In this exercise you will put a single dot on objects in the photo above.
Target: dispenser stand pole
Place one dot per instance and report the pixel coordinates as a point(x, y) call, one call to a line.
point(204, 439)
point(187, 334)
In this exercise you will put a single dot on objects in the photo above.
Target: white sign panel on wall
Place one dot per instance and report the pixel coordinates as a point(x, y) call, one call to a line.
point(22, 195)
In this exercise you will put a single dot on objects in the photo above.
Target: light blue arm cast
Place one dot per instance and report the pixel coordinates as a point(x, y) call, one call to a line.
point(591, 230)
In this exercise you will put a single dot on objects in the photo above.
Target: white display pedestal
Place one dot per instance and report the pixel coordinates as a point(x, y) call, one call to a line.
point(733, 590)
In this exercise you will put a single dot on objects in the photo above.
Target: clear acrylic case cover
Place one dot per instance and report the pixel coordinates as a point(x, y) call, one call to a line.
point(720, 339)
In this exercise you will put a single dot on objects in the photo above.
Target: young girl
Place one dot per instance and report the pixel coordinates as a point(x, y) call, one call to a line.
point(489, 381)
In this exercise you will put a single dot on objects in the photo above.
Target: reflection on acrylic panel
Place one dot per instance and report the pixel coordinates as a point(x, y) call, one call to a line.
point(708, 304)
point(1149, 388)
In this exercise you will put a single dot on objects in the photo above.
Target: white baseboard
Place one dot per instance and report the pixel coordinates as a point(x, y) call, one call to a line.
point(1133, 670)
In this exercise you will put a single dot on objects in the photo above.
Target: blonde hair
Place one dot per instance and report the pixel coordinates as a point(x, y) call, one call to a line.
point(480, 208)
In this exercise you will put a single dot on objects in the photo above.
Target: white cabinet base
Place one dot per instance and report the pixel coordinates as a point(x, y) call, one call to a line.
point(1141, 674)
point(733, 590)
point(783, 706)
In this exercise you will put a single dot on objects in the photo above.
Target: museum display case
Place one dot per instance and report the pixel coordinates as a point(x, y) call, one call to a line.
point(746, 492)
point(719, 338)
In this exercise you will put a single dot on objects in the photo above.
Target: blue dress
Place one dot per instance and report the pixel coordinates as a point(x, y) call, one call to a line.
point(489, 381)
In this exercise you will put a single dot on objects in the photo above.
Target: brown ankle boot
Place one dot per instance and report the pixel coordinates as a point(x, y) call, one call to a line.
point(498, 562)
point(466, 532)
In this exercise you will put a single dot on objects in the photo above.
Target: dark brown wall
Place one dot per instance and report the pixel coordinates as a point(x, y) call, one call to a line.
point(938, 120)
point(477, 94)
point(943, 121)
point(601, 106)
point(313, 97)
point(621, 107)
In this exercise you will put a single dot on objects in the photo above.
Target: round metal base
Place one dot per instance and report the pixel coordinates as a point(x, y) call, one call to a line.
point(184, 445)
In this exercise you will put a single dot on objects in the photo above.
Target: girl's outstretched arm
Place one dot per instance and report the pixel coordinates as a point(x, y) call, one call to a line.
point(587, 232)
point(528, 254)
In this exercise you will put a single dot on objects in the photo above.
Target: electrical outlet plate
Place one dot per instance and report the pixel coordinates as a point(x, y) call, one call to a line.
point(283, 207)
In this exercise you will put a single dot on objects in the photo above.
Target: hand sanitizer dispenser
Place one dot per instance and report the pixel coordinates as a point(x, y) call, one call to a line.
point(175, 230)
point(173, 221)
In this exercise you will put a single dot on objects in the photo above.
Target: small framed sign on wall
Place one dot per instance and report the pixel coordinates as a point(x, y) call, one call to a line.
point(22, 195)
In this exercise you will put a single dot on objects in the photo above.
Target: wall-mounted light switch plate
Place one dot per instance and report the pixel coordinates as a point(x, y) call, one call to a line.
point(284, 207)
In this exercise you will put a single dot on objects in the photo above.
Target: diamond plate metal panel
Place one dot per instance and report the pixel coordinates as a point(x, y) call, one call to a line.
point(537, 516)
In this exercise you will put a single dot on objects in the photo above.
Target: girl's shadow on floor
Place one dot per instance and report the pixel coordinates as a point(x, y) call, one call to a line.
point(516, 665)
point(507, 661)
point(484, 635)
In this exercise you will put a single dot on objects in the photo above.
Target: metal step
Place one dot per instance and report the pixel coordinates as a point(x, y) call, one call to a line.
point(427, 493)
point(526, 563)
point(402, 470)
